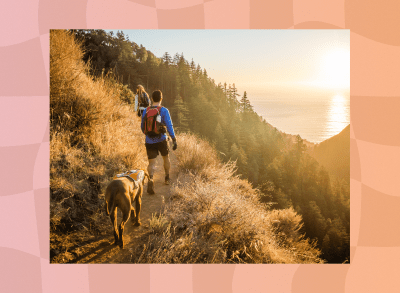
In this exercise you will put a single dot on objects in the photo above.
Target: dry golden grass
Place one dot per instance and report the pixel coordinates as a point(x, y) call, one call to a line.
point(213, 216)
point(216, 217)
point(93, 136)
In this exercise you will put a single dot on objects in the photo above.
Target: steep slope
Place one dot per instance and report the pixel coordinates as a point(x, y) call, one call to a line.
point(209, 215)
point(334, 154)
point(87, 248)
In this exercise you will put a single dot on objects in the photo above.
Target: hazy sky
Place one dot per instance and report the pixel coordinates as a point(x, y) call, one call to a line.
point(258, 59)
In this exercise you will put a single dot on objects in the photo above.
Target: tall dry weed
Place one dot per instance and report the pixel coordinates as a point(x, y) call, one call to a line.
point(194, 154)
point(93, 136)
point(216, 217)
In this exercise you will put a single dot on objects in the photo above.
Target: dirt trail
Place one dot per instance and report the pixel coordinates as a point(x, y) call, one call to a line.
point(102, 250)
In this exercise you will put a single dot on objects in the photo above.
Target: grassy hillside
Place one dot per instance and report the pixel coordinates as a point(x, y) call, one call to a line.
point(212, 216)
point(216, 217)
point(93, 136)
point(334, 154)
point(276, 163)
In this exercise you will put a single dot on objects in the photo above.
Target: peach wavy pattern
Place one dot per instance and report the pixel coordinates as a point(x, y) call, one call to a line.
point(376, 119)
point(353, 251)
point(61, 14)
point(45, 44)
point(164, 280)
point(120, 14)
point(21, 125)
point(320, 278)
point(18, 176)
point(380, 167)
point(374, 67)
point(177, 4)
point(22, 70)
point(120, 277)
point(12, 209)
point(42, 199)
point(263, 278)
point(65, 278)
point(376, 271)
point(316, 25)
point(355, 212)
point(18, 21)
point(19, 271)
point(218, 280)
point(352, 135)
point(41, 170)
point(379, 219)
point(374, 20)
point(328, 11)
point(149, 3)
point(227, 14)
point(183, 18)
point(355, 164)
point(271, 14)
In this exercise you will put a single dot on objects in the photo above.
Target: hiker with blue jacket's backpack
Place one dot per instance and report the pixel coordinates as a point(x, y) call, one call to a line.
point(156, 121)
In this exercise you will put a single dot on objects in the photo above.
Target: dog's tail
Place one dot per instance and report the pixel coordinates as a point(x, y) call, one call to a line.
point(110, 205)
point(107, 211)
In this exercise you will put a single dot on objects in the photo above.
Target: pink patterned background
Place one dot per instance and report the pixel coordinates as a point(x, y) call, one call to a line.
point(375, 144)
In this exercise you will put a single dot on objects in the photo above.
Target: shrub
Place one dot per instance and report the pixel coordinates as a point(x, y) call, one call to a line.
point(93, 136)
point(216, 217)
point(194, 154)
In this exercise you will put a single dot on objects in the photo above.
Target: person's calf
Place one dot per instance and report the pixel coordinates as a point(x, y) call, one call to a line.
point(150, 185)
point(151, 167)
point(167, 179)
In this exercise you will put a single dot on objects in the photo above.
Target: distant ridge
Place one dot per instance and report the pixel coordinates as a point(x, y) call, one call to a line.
point(334, 154)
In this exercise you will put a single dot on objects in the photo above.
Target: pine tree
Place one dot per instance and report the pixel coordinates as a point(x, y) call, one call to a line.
point(237, 154)
point(167, 59)
point(193, 66)
point(142, 54)
point(245, 105)
point(177, 57)
point(180, 114)
point(220, 141)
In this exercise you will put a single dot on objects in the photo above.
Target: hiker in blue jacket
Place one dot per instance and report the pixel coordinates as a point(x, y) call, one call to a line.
point(158, 144)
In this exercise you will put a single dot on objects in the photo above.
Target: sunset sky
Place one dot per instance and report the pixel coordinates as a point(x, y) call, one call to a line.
point(256, 59)
point(298, 80)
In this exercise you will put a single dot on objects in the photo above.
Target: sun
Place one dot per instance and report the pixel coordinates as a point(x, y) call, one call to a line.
point(335, 69)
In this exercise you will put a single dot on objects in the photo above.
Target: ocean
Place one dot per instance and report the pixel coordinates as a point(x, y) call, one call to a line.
point(315, 115)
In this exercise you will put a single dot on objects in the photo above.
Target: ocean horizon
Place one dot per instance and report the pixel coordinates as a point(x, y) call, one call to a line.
point(315, 115)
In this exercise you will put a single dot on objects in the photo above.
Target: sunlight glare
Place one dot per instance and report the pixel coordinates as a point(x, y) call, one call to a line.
point(338, 115)
point(335, 69)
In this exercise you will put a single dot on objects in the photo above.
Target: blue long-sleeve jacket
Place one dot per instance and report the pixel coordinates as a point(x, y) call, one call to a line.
point(166, 120)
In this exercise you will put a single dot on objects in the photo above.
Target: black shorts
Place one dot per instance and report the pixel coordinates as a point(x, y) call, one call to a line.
point(154, 148)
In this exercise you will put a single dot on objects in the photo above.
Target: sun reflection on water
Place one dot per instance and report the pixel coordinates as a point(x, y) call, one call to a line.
point(338, 114)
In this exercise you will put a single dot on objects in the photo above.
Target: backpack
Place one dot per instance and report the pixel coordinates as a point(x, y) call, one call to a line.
point(152, 122)
point(143, 100)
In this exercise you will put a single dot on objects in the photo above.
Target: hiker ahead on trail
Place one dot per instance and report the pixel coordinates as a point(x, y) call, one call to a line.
point(142, 100)
point(156, 121)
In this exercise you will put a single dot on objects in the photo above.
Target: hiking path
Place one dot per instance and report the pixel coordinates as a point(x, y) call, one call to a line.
point(100, 249)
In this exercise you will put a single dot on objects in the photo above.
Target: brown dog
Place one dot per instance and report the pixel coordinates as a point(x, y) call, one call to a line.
point(121, 193)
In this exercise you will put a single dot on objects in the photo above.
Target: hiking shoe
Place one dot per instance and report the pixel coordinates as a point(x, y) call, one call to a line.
point(150, 187)
point(167, 180)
